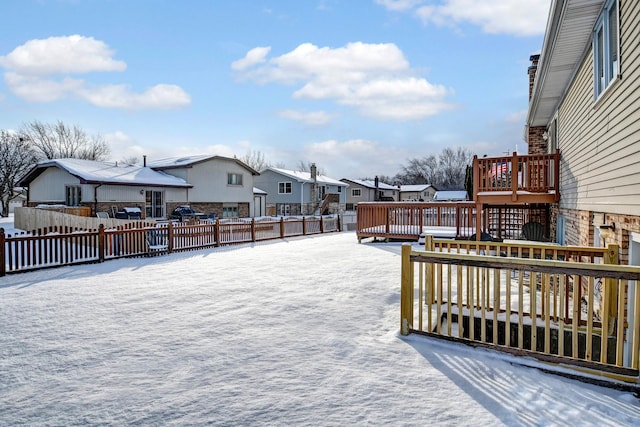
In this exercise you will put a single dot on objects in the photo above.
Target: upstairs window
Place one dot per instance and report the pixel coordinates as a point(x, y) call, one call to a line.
point(284, 187)
point(234, 179)
point(356, 192)
point(606, 47)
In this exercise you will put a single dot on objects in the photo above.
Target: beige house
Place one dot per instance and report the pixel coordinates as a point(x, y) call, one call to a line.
point(417, 193)
point(369, 191)
point(585, 101)
point(221, 185)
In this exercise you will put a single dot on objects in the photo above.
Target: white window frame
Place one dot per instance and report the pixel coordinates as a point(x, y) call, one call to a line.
point(234, 179)
point(73, 195)
point(230, 210)
point(606, 48)
point(356, 190)
point(285, 187)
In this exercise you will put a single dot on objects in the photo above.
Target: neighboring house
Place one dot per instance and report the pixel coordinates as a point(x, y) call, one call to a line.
point(450, 196)
point(301, 193)
point(585, 101)
point(221, 185)
point(103, 186)
point(368, 191)
point(417, 193)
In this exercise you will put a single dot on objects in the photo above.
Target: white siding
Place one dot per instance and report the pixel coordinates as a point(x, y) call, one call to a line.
point(600, 140)
point(49, 186)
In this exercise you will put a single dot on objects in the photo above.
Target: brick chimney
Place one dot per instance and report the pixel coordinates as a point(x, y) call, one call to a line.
point(535, 135)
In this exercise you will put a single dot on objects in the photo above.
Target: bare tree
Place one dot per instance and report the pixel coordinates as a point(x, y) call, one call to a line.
point(446, 171)
point(452, 164)
point(255, 160)
point(58, 141)
point(133, 160)
point(306, 167)
point(17, 156)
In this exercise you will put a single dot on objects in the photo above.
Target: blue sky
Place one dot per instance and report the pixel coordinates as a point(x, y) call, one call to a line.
point(356, 86)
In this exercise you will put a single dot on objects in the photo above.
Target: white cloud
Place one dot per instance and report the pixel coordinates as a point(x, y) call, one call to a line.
point(39, 71)
point(255, 56)
point(120, 96)
point(356, 158)
point(517, 117)
point(62, 55)
point(515, 17)
point(399, 5)
point(313, 118)
point(374, 78)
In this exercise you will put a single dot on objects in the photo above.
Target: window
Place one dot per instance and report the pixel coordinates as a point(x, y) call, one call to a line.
point(154, 204)
point(339, 189)
point(234, 179)
point(230, 211)
point(606, 63)
point(356, 192)
point(350, 207)
point(73, 195)
point(284, 187)
point(284, 210)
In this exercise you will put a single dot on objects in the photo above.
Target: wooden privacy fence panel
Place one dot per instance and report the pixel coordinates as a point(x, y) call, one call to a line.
point(527, 306)
point(59, 247)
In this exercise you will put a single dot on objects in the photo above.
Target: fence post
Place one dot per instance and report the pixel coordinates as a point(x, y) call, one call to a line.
point(217, 232)
point(253, 229)
point(3, 256)
point(170, 236)
point(321, 224)
point(101, 245)
point(282, 227)
point(304, 226)
point(429, 285)
point(406, 291)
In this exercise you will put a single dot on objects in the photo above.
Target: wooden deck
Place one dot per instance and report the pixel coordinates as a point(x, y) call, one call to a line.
point(516, 179)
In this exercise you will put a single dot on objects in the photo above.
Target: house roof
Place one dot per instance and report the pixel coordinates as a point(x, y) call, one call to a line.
point(450, 195)
point(189, 161)
point(93, 172)
point(566, 41)
point(370, 184)
point(306, 176)
point(415, 187)
point(256, 190)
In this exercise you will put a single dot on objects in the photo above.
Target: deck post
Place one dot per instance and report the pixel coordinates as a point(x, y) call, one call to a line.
point(610, 291)
point(476, 177)
point(3, 256)
point(514, 177)
point(406, 291)
point(478, 221)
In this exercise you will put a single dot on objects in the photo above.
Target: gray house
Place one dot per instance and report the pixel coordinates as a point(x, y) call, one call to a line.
point(301, 193)
point(369, 191)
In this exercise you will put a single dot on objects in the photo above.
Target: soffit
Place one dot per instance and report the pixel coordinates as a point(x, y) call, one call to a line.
point(567, 37)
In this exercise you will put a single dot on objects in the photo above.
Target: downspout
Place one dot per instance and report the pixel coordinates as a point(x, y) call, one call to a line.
point(95, 198)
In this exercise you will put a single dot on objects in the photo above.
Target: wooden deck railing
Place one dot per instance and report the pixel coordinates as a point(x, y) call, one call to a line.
point(60, 247)
point(517, 178)
point(407, 220)
point(527, 306)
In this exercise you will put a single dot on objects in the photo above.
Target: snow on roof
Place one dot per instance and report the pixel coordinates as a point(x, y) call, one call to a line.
point(179, 161)
point(186, 161)
point(415, 187)
point(450, 195)
point(306, 176)
point(256, 190)
point(372, 184)
point(92, 171)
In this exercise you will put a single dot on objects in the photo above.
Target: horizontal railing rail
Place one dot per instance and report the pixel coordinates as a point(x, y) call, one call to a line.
point(407, 220)
point(519, 305)
point(55, 247)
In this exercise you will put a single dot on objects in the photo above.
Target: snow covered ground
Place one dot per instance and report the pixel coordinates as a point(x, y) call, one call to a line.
point(302, 331)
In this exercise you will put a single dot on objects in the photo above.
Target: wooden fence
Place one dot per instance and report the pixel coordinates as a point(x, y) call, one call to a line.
point(60, 246)
point(533, 301)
